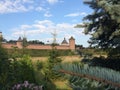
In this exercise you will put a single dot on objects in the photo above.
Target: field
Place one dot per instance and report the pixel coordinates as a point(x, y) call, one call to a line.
point(69, 59)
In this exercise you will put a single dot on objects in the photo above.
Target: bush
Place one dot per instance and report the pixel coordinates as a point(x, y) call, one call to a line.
point(39, 65)
point(23, 70)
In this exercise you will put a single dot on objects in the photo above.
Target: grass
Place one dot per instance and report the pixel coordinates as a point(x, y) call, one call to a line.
point(59, 84)
point(64, 58)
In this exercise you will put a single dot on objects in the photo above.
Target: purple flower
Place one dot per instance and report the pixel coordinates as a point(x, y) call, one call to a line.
point(27, 86)
point(26, 83)
point(18, 86)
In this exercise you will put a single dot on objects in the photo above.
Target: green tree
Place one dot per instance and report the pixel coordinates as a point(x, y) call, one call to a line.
point(104, 23)
point(5, 67)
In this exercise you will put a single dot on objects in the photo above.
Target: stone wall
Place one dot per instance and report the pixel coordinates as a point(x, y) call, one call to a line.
point(70, 46)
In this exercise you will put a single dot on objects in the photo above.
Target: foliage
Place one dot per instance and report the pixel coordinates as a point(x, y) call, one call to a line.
point(111, 63)
point(12, 41)
point(42, 75)
point(0, 39)
point(36, 42)
point(114, 53)
point(5, 69)
point(53, 60)
point(23, 70)
point(84, 77)
point(15, 52)
point(39, 65)
point(38, 53)
point(104, 23)
point(14, 71)
point(24, 42)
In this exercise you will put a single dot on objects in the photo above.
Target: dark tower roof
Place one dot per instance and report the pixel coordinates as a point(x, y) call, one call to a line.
point(19, 39)
point(71, 38)
point(64, 41)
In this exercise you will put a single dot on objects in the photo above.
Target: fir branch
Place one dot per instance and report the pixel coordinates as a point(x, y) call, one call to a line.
point(90, 77)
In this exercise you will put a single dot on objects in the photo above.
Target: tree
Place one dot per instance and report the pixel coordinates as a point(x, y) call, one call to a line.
point(104, 23)
point(36, 42)
point(5, 69)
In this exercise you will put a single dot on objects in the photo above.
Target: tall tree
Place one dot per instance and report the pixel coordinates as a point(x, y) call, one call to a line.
point(104, 23)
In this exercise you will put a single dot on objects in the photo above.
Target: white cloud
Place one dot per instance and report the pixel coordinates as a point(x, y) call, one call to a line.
point(10, 6)
point(24, 27)
point(28, 1)
point(42, 30)
point(13, 6)
point(52, 1)
point(76, 14)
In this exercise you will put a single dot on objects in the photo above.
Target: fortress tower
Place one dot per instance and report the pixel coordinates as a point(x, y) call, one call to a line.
point(19, 42)
point(72, 43)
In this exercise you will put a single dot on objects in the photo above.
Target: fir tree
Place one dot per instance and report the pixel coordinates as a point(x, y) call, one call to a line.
point(104, 23)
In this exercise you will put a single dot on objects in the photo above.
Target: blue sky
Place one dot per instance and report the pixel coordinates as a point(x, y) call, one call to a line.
point(37, 19)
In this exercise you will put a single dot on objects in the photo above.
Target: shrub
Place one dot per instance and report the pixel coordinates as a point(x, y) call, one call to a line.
point(23, 70)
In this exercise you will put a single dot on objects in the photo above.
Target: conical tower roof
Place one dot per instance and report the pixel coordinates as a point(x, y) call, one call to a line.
point(64, 41)
point(19, 39)
point(71, 38)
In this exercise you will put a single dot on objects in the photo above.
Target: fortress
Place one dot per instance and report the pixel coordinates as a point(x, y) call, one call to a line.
point(63, 46)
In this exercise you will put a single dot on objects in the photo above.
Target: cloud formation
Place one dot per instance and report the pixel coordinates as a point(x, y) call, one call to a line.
point(11, 6)
point(76, 14)
point(43, 29)
point(52, 1)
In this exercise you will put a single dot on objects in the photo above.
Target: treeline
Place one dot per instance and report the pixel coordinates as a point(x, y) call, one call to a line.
point(28, 42)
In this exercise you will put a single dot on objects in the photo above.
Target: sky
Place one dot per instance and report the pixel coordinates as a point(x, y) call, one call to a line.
point(39, 19)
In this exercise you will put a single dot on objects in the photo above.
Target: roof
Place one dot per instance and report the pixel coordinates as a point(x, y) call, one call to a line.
point(64, 41)
point(19, 39)
point(71, 38)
